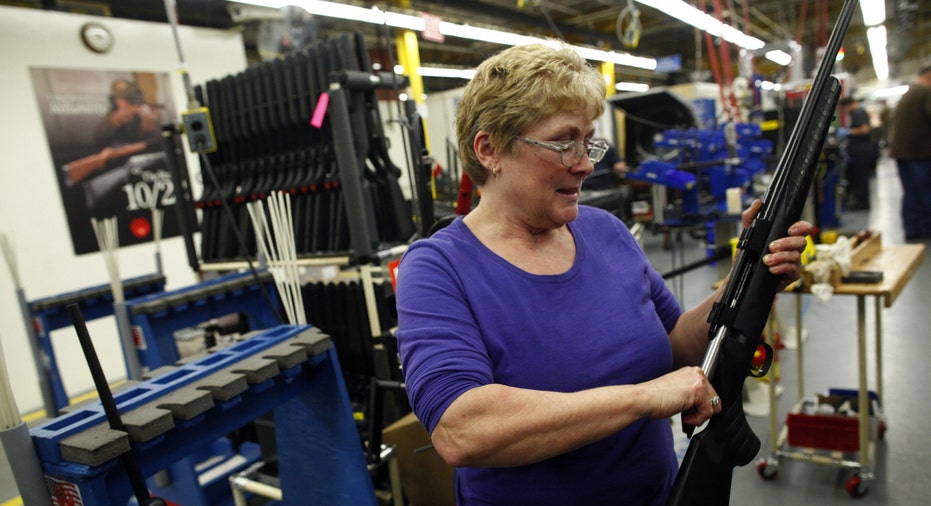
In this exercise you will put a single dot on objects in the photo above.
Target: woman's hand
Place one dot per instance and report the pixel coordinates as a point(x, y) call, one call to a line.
point(686, 390)
point(785, 254)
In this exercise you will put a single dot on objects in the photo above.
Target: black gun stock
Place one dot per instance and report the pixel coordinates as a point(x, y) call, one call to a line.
point(738, 319)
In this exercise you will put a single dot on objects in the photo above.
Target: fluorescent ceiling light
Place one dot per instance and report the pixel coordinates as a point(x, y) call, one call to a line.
point(874, 12)
point(631, 87)
point(625, 59)
point(477, 33)
point(329, 9)
point(769, 85)
point(876, 36)
point(466, 74)
point(377, 16)
point(779, 56)
point(704, 22)
point(894, 91)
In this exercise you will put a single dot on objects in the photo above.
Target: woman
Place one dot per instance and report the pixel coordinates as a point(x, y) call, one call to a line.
point(540, 349)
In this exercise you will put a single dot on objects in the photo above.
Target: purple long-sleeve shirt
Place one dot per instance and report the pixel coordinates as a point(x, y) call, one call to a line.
point(467, 318)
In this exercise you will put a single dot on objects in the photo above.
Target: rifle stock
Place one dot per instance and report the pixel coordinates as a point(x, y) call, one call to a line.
point(738, 319)
point(80, 169)
point(711, 457)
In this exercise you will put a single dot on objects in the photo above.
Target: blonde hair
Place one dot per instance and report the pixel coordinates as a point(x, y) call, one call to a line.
point(516, 89)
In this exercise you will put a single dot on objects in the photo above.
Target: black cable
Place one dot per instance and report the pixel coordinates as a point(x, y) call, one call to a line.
point(644, 121)
point(720, 253)
point(133, 471)
point(208, 168)
point(549, 21)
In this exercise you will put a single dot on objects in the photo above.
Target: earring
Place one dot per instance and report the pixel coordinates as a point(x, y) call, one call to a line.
point(494, 171)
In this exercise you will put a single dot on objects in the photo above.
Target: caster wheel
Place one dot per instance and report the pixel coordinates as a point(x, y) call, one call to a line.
point(767, 471)
point(856, 488)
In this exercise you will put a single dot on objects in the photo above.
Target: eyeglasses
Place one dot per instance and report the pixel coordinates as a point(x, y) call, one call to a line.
point(571, 152)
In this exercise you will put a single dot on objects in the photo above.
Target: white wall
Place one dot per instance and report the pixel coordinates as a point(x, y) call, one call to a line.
point(439, 117)
point(31, 211)
point(441, 123)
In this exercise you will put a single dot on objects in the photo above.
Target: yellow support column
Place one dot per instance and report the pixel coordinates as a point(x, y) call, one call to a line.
point(409, 58)
point(607, 71)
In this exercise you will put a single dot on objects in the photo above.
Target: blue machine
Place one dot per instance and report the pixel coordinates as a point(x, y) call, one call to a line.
point(704, 164)
point(50, 313)
point(291, 370)
point(154, 318)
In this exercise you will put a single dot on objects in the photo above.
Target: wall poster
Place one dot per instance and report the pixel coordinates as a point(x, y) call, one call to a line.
point(104, 134)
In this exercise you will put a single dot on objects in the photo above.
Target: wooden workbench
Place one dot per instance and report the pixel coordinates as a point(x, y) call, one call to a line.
point(898, 263)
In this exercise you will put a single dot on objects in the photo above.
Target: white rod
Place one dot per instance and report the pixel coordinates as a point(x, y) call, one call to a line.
point(157, 221)
point(264, 239)
point(280, 271)
point(285, 236)
point(9, 413)
point(290, 252)
point(296, 275)
point(108, 242)
point(371, 305)
point(274, 214)
point(243, 483)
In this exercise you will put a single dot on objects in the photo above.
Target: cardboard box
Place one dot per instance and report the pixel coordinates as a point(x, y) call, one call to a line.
point(426, 479)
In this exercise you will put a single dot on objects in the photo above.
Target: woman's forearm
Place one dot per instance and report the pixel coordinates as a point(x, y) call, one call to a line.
point(501, 426)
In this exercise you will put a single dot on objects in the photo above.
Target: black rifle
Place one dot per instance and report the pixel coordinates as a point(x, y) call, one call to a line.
point(738, 319)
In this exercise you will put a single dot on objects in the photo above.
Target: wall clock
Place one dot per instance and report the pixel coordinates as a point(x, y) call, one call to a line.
point(96, 37)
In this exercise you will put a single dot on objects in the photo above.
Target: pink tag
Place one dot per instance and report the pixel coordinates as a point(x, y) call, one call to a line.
point(320, 110)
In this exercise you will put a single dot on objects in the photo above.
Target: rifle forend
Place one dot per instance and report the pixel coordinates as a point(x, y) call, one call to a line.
point(738, 319)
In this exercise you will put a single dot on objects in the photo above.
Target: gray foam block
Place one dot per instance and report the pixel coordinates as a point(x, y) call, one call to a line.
point(186, 403)
point(286, 354)
point(313, 340)
point(95, 446)
point(223, 385)
point(256, 369)
point(147, 422)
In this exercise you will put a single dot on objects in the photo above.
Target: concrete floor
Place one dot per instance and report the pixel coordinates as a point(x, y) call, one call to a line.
point(902, 465)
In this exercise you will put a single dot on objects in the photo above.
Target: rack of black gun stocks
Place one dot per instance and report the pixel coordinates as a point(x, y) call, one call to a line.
point(307, 124)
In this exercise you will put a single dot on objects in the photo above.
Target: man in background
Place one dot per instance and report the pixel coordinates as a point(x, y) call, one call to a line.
point(861, 155)
point(911, 148)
